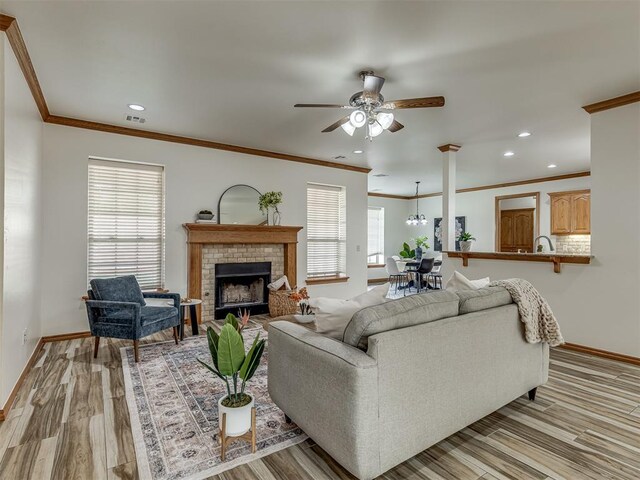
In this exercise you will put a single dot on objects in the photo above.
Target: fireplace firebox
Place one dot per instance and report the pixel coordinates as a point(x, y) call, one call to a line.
point(241, 286)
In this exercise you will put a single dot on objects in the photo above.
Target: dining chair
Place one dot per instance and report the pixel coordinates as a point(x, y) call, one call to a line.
point(395, 275)
point(425, 268)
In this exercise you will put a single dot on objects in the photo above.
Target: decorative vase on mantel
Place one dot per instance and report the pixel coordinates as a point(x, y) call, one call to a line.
point(273, 217)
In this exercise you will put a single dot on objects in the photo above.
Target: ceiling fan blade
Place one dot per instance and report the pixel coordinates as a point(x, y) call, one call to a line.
point(414, 103)
point(373, 84)
point(321, 105)
point(335, 125)
point(395, 126)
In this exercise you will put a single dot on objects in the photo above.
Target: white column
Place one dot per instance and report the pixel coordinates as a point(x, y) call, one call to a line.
point(448, 196)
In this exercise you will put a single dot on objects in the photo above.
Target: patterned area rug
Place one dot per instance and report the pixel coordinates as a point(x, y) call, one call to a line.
point(172, 401)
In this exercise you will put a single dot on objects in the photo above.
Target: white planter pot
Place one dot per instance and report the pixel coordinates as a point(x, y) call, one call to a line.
point(465, 246)
point(238, 419)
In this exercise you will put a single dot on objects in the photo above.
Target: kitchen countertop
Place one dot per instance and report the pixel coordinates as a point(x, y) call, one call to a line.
point(556, 258)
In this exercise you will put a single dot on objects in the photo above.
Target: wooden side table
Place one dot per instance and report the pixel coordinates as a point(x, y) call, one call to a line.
point(193, 315)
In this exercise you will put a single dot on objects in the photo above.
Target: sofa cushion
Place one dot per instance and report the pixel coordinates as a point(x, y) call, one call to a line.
point(483, 299)
point(459, 282)
point(118, 289)
point(401, 313)
point(333, 314)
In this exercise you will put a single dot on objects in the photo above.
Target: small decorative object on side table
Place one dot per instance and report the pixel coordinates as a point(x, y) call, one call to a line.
point(301, 297)
point(191, 304)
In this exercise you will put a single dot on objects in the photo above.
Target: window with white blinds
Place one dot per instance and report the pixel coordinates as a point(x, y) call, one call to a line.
point(375, 237)
point(326, 231)
point(126, 221)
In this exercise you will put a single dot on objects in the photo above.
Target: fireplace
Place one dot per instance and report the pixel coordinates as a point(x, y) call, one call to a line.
point(241, 286)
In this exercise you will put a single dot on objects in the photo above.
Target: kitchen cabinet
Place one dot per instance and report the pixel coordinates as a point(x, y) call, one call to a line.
point(571, 212)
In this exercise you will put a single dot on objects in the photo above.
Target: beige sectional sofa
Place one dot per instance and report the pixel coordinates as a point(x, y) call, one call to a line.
point(408, 373)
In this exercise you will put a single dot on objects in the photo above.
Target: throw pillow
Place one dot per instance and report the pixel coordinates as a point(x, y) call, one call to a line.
point(460, 282)
point(333, 314)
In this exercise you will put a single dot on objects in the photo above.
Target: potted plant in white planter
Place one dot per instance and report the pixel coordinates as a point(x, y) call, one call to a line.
point(235, 368)
point(465, 239)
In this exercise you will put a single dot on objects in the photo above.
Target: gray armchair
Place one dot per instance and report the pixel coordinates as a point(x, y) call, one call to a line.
point(116, 309)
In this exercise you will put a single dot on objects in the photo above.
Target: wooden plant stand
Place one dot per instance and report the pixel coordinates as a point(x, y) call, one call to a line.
point(250, 436)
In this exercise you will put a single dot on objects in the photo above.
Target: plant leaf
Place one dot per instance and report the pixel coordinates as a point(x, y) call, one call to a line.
point(213, 339)
point(230, 350)
point(255, 361)
point(211, 368)
point(231, 320)
point(247, 359)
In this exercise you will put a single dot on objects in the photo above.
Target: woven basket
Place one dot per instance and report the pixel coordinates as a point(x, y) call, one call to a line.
point(280, 304)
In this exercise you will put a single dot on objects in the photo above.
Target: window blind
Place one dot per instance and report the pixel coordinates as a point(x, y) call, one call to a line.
point(126, 222)
point(326, 231)
point(375, 236)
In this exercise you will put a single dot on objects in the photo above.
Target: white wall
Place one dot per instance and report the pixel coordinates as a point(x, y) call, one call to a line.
point(597, 305)
point(395, 229)
point(22, 167)
point(195, 179)
point(479, 208)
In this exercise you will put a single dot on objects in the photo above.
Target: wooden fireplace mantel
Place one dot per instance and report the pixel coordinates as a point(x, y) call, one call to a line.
point(199, 234)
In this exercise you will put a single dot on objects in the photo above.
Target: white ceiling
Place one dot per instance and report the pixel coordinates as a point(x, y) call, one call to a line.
point(231, 72)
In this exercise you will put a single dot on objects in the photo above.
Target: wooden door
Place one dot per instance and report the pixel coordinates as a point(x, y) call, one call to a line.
point(581, 213)
point(560, 214)
point(516, 230)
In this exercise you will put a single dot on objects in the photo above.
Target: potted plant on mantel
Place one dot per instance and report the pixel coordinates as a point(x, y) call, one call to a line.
point(465, 239)
point(268, 203)
point(235, 368)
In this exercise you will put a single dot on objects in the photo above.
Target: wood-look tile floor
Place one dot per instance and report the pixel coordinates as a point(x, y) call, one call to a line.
point(71, 421)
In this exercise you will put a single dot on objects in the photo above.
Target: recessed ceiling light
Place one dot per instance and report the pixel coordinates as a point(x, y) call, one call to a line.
point(358, 151)
point(137, 108)
point(381, 175)
point(524, 134)
point(508, 154)
point(553, 165)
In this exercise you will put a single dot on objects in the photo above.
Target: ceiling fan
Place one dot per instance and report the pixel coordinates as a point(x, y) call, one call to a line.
point(369, 108)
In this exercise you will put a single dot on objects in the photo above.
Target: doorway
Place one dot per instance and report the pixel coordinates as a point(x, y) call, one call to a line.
point(517, 222)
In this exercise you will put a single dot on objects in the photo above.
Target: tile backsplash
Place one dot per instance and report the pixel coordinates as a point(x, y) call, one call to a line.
point(573, 243)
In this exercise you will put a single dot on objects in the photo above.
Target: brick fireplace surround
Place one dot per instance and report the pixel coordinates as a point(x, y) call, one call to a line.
point(209, 244)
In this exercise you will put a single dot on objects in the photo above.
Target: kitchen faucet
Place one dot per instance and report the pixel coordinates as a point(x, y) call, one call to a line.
point(548, 240)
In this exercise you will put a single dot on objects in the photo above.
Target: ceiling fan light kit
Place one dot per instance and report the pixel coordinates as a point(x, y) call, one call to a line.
point(417, 219)
point(368, 108)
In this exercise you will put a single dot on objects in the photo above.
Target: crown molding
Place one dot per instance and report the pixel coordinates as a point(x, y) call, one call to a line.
point(9, 25)
point(490, 187)
point(165, 137)
point(388, 195)
point(449, 147)
point(612, 103)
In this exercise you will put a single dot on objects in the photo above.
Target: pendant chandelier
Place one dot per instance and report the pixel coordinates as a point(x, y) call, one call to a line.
point(417, 219)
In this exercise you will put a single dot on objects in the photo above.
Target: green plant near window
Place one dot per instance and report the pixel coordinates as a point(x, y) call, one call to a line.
point(421, 242)
point(407, 251)
point(230, 362)
point(466, 237)
point(270, 200)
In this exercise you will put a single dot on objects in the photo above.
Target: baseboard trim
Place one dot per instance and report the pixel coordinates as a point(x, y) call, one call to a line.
point(620, 357)
point(375, 281)
point(25, 371)
point(65, 336)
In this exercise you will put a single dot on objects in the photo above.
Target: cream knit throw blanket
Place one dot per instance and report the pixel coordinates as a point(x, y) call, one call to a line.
point(540, 324)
